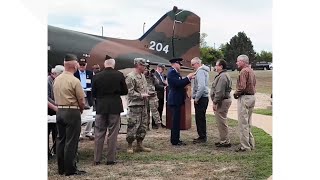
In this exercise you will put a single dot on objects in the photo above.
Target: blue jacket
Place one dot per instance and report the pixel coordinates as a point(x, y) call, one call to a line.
point(89, 75)
point(177, 93)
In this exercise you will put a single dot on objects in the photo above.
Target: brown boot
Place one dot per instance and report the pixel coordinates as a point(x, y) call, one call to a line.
point(130, 149)
point(140, 148)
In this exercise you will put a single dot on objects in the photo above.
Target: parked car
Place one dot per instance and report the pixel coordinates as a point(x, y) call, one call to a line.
point(262, 65)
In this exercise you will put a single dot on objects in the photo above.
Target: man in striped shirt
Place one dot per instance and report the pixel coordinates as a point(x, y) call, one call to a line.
point(245, 90)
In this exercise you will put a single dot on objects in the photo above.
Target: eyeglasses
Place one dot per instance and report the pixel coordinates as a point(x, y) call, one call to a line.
point(82, 64)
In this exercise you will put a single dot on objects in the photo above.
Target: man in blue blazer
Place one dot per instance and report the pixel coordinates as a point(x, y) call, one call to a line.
point(176, 97)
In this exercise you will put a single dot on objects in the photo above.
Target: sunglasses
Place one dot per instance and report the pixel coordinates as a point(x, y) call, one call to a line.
point(82, 64)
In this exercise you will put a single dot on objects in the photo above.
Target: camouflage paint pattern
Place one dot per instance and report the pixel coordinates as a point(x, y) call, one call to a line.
point(155, 45)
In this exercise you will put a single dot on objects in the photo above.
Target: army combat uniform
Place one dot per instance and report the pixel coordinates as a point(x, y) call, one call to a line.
point(153, 100)
point(137, 109)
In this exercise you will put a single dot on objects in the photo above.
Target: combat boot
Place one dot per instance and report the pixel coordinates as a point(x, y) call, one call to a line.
point(140, 147)
point(130, 149)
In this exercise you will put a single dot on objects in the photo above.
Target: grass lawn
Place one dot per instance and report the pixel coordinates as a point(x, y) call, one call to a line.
point(264, 80)
point(203, 161)
point(267, 112)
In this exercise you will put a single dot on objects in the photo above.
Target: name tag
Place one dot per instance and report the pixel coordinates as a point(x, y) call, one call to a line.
point(88, 81)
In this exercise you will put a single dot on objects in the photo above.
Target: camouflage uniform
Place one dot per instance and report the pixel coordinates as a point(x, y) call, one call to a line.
point(137, 113)
point(153, 99)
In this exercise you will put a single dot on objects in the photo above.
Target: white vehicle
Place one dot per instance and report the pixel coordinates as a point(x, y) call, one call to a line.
point(270, 66)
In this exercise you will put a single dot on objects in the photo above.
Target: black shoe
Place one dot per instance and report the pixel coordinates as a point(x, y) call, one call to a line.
point(180, 143)
point(199, 140)
point(155, 127)
point(222, 144)
point(76, 173)
point(61, 172)
point(112, 162)
point(163, 126)
point(96, 163)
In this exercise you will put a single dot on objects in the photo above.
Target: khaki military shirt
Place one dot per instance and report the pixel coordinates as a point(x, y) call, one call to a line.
point(67, 90)
point(137, 85)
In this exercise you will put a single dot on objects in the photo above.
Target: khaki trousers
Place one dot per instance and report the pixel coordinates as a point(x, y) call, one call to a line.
point(245, 107)
point(221, 118)
point(104, 122)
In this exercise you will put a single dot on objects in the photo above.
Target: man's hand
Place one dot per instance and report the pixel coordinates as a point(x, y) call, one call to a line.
point(191, 75)
point(214, 107)
point(55, 108)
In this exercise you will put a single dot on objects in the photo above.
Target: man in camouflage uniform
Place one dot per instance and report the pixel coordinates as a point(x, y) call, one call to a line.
point(137, 106)
point(152, 104)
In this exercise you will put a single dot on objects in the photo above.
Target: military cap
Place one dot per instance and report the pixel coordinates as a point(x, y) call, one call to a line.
point(70, 57)
point(107, 57)
point(140, 61)
point(161, 65)
point(176, 60)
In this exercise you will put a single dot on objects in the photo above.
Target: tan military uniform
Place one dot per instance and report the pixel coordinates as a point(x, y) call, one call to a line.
point(153, 100)
point(67, 92)
point(137, 113)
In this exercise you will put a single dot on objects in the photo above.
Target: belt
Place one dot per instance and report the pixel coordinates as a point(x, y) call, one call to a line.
point(68, 107)
point(247, 94)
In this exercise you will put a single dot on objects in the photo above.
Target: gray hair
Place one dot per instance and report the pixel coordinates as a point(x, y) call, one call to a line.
point(58, 69)
point(196, 60)
point(109, 63)
point(243, 58)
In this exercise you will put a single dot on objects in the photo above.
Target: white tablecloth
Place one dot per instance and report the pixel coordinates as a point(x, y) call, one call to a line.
point(86, 116)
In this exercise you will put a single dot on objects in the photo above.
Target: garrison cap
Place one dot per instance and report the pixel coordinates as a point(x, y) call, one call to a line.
point(107, 57)
point(70, 57)
point(176, 60)
point(140, 61)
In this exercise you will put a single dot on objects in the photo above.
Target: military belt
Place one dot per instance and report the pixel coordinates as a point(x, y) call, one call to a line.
point(68, 107)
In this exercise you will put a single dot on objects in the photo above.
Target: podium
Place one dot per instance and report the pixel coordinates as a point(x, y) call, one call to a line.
point(185, 121)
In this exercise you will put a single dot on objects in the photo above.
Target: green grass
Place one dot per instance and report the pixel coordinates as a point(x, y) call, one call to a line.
point(263, 79)
point(200, 161)
point(267, 112)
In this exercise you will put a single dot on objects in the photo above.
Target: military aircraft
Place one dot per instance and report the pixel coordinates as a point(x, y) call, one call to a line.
point(175, 34)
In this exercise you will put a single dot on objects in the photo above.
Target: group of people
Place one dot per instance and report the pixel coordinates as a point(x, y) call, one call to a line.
point(144, 90)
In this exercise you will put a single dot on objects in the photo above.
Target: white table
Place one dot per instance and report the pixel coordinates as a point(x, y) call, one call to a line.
point(87, 116)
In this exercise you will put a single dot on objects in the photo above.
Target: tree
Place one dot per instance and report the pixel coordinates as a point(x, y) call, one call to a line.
point(203, 42)
point(210, 55)
point(239, 44)
point(264, 56)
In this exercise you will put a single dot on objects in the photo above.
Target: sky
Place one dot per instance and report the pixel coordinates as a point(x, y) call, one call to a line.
point(220, 19)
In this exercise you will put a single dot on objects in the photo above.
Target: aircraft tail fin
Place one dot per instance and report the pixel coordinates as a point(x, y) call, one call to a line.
point(175, 34)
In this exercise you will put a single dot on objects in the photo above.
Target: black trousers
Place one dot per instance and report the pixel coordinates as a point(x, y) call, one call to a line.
point(69, 127)
point(175, 130)
point(200, 110)
point(52, 128)
point(89, 98)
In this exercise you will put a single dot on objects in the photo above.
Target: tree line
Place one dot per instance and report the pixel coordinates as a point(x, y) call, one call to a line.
point(238, 44)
